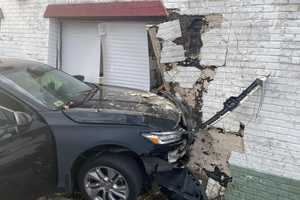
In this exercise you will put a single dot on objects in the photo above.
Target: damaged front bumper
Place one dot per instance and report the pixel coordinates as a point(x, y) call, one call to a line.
point(167, 168)
point(180, 184)
point(175, 180)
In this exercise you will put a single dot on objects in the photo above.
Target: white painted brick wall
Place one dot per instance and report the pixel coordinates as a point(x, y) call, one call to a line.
point(261, 37)
point(25, 33)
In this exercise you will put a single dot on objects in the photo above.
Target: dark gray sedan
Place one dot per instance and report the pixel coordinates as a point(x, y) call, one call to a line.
point(60, 134)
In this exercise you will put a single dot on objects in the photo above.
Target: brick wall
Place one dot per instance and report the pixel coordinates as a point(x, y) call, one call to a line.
point(24, 31)
point(246, 39)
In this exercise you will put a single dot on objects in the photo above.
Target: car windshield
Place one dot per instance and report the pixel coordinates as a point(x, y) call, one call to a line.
point(47, 85)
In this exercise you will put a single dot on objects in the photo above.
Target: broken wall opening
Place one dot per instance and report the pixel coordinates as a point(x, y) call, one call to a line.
point(176, 46)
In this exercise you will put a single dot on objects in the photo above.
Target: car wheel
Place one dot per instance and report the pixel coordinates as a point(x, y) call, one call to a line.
point(111, 177)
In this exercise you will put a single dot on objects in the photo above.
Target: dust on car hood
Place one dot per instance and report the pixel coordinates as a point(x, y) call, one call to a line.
point(126, 106)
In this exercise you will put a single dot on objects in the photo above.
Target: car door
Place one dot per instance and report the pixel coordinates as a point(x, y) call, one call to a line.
point(27, 153)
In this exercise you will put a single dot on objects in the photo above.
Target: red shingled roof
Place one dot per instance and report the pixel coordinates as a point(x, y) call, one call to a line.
point(129, 9)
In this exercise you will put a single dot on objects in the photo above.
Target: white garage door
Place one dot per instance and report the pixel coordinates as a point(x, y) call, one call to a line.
point(125, 52)
point(81, 49)
point(126, 55)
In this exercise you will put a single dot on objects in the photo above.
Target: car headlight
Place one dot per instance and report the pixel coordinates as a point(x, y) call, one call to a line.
point(163, 137)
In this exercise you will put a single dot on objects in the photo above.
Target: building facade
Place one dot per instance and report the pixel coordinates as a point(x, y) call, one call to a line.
point(106, 41)
point(244, 40)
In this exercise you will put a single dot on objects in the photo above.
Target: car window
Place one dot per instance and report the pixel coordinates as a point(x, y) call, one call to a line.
point(47, 85)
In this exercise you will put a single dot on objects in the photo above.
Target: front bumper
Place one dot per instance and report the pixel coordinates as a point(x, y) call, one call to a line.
point(161, 168)
point(175, 152)
point(175, 180)
point(184, 186)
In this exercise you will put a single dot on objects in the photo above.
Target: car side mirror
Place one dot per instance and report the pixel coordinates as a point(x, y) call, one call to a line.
point(23, 120)
point(79, 77)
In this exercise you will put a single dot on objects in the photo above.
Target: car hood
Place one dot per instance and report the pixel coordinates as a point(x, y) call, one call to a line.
point(116, 105)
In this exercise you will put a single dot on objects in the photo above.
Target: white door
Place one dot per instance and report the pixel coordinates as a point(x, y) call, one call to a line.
point(81, 49)
point(126, 55)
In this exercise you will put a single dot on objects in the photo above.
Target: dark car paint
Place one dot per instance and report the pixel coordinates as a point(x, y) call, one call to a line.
point(115, 105)
point(77, 130)
point(73, 139)
point(27, 160)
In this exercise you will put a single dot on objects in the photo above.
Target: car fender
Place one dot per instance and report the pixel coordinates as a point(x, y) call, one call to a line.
point(73, 139)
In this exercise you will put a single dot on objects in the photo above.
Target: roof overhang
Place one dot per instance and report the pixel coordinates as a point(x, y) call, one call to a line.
point(113, 10)
point(1, 14)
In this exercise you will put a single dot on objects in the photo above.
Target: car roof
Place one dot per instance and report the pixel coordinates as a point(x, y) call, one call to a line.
point(15, 64)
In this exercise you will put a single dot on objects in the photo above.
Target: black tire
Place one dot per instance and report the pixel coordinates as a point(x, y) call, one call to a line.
point(127, 166)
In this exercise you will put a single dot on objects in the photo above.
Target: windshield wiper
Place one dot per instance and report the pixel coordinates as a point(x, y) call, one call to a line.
point(91, 93)
point(87, 95)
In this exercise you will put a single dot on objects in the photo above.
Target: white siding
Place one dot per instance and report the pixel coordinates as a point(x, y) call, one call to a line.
point(81, 49)
point(25, 33)
point(126, 58)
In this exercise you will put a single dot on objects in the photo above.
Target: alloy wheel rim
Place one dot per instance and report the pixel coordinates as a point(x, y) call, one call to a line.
point(105, 183)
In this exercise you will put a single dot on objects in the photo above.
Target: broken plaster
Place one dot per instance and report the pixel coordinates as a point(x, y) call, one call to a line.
point(172, 53)
point(169, 31)
point(190, 79)
point(180, 55)
point(185, 76)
